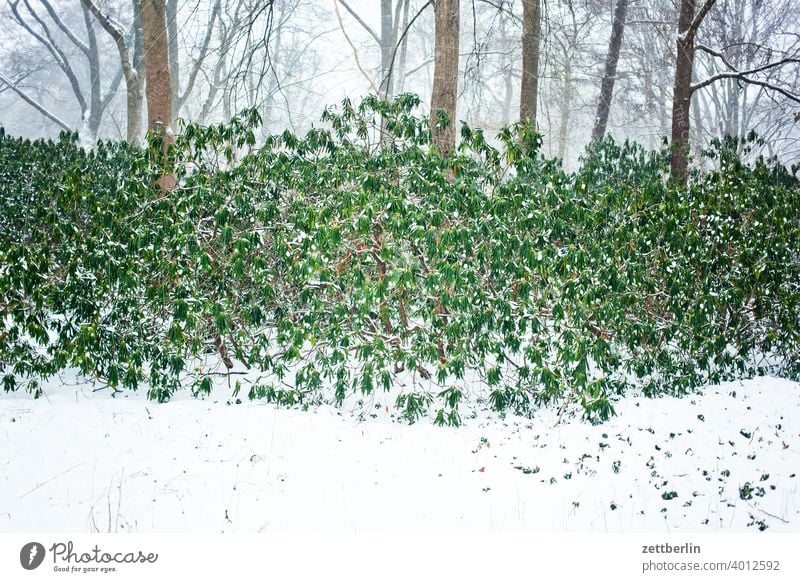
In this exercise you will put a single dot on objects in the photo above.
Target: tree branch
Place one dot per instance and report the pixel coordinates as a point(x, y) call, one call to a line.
point(111, 26)
point(53, 48)
point(35, 104)
point(355, 52)
point(64, 28)
point(199, 62)
point(743, 75)
point(503, 9)
point(115, 32)
point(366, 26)
point(698, 19)
point(717, 54)
point(403, 36)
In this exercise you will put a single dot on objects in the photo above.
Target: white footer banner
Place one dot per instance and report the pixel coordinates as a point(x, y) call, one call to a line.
point(407, 556)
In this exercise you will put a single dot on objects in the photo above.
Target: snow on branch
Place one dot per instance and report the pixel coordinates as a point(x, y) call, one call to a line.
point(718, 54)
point(111, 26)
point(744, 76)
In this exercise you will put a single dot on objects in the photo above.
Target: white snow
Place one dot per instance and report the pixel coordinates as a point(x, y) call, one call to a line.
point(83, 461)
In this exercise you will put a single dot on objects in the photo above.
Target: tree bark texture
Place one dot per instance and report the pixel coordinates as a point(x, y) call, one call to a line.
point(156, 63)
point(445, 74)
point(174, 62)
point(682, 92)
point(531, 43)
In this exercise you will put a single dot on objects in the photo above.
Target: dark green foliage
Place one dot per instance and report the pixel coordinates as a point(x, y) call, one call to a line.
point(331, 266)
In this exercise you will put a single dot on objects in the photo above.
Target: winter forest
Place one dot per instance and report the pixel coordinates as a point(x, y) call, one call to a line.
point(520, 265)
point(584, 68)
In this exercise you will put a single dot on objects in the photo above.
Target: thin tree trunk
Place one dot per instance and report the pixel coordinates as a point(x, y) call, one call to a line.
point(509, 93)
point(445, 75)
point(135, 88)
point(565, 106)
point(610, 74)
point(387, 49)
point(95, 107)
point(401, 68)
point(531, 42)
point(697, 124)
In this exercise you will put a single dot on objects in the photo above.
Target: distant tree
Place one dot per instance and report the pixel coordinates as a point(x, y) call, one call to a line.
point(570, 29)
point(610, 73)
point(72, 46)
point(132, 63)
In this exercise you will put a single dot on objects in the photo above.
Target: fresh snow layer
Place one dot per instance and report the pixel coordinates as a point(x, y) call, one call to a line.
point(80, 460)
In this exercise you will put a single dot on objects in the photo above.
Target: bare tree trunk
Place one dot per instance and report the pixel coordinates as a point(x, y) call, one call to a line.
point(95, 107)
point(445, 74)
point(509, 93)
point(387, 49)
point(158, 86)
point(531, 42)
point(174, 63)
point(565, 105)
point(649, 107)
point(401, 68)
point(610, 74)
point(156, 63)
point(135, 88)
point(688, 24)
point(682, 93)
point(697, 124)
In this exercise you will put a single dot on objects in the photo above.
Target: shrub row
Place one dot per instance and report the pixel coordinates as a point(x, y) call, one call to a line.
point(342, 262)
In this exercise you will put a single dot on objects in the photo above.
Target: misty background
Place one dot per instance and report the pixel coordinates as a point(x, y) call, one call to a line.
point(60, 67)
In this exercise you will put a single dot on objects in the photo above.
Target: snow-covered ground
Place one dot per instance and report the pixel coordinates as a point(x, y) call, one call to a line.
point(83, 461)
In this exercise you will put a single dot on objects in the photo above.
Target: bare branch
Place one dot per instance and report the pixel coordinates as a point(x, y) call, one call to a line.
point(743, 75)
point(366, 26)
point(403, 36)
point(655, 22)
point(503, 9)
point(35, 104)
point(111, 26)
point(115, 32)
point(53, 49)
point(717, 54)
point(199, 61)
point(355, 52)
point(64, 28)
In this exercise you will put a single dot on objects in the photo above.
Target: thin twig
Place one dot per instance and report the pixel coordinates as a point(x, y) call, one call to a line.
point(355, 52)
point(50, 479)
